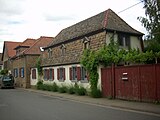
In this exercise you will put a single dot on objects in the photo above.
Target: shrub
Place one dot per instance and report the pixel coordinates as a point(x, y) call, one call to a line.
point(62, 89)
point(45, 87)
point(80, 91)
point(71, 90)
point(54, 87)
point(39, 85)
point(96, 93)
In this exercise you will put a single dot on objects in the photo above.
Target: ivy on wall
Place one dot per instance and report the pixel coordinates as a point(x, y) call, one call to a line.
point(111, 54)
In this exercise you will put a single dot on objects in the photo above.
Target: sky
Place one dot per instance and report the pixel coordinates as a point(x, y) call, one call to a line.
point(22, 19)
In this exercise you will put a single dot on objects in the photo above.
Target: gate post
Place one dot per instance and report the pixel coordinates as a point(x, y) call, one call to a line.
point(113, 81)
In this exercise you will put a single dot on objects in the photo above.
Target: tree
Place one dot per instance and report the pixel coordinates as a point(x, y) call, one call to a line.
point(152, 24)
point(4, 72)
point(152, 20)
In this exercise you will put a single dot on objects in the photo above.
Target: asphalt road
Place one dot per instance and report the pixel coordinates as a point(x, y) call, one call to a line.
point(17, 104)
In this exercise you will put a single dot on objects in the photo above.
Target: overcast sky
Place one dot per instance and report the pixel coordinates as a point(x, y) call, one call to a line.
point(22, 19)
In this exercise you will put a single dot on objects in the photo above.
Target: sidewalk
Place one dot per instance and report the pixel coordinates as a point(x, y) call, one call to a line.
point(148, 108)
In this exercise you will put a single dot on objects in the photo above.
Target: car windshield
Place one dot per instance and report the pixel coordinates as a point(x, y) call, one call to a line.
point(7, 78)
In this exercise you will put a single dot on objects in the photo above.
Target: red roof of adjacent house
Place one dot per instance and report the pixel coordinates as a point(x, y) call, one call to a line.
point(10, 48)
point(27, 43)
point(43, 41)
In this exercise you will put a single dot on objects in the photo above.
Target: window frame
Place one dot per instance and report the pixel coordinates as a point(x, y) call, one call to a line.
point(61, 74)
point(15, 72)
point(84, 75)
point(86, 43)
point(124, 41)
point(34, 74)
point(22, 72)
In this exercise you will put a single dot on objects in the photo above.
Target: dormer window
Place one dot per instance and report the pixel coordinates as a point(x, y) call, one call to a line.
point(63, 49)
point(49, 52)
point(86, 43)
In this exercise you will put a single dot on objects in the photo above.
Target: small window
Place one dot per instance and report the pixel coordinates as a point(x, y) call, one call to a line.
point(73, 73)
point(21, 72)
point(46, 74)
point(51, 74)
point(61, 74)
point(86, 43)
point(83, 74)
point(124, 40)
point(15, 72)
point(49, 52)
point(63, 49)
point(34, 74)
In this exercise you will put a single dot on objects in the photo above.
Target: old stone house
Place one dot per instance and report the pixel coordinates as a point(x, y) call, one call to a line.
point(8, 53)
point(26, 57)
point(61, 58)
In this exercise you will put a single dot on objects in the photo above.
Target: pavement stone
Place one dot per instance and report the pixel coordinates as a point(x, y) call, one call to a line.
point(135, 106)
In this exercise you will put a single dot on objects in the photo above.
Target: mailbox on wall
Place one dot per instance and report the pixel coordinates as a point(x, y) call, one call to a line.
point(125, 76)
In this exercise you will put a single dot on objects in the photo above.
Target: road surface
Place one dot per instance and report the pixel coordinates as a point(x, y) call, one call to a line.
point(18, 104)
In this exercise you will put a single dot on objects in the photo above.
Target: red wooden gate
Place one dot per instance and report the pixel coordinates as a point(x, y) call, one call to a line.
point(141, 82)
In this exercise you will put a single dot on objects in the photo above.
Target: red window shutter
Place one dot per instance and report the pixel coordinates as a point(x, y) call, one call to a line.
point(58, 73)
point(70, 73)
point(78, 73)
point(64, 73)
point(53, 74)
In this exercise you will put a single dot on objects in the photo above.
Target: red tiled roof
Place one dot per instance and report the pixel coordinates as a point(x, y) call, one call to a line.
point(28, 42)
point(10, 47)
point(43, 41)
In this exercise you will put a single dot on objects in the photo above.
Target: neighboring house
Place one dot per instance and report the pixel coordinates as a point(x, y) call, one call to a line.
point(26, 57)
point(1, 62)
point(8, 53)
point(61, 58)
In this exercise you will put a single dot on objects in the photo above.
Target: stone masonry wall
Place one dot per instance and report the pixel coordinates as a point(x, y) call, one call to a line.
point(73, 50)
point(27, 62)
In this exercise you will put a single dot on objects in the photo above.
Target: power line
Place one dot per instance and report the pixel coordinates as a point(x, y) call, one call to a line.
point(130, 7)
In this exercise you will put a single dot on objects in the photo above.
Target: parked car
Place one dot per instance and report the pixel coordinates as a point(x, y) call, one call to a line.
point(6, 81)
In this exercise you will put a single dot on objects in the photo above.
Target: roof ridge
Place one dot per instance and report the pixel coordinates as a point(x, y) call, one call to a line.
point(105, 22)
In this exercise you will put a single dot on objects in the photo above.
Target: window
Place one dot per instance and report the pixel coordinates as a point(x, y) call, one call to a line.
point(78, 73)
point(51, 74)
point(61, 74)
point(86, 43)
point(21, 72)
point(34, 74)
point(15, 72)
point(63, 49)
point(124, 40)
point(49, 52)
point(83, 74)
point(46, 74)
point(73, 73)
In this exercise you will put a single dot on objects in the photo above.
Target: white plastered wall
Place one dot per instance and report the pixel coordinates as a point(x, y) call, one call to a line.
point(67, 81)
